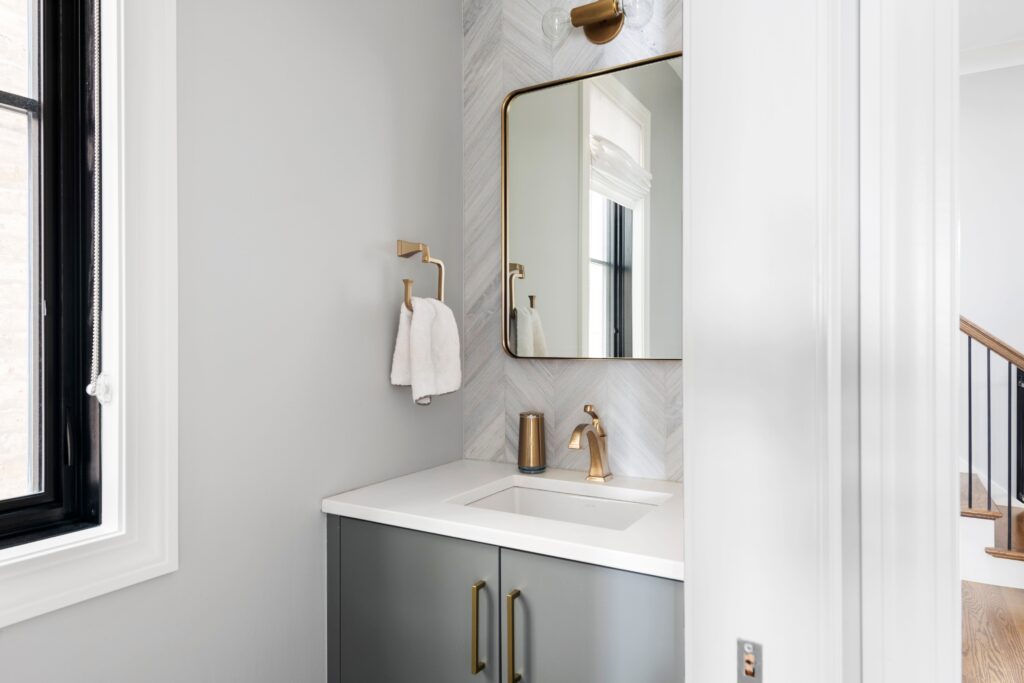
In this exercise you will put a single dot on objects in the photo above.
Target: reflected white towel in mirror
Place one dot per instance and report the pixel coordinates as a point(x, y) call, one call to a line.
point(528, 334)
point(524, 331)
point(540, 345)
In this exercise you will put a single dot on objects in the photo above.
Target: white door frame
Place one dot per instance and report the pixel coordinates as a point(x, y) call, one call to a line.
point(909, 300)
point(770, 341)
point(850, 516)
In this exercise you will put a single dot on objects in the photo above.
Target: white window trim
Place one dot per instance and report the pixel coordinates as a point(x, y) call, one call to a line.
point(138, 537)
point(632, 106)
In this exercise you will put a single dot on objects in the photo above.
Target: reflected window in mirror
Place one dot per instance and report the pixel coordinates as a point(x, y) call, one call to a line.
point(616, 128)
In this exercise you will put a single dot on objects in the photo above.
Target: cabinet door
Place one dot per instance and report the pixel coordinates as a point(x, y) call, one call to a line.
point(400, 605)
point(578, 623)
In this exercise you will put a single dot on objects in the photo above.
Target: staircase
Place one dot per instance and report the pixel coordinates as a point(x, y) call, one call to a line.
point(992, 485)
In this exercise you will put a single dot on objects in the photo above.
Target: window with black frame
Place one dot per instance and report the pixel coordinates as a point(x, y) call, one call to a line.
point(49, 276)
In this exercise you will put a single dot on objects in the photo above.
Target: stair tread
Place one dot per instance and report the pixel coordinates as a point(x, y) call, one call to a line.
point(980, 499)
point(1006, 554)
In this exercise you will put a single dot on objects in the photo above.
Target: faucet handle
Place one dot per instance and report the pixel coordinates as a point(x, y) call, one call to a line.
point(594, 417)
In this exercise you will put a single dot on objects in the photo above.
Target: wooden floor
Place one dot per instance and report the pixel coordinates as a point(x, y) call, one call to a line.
point(993, 634)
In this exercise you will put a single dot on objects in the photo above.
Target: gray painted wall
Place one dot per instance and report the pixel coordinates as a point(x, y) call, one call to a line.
point(312, 135)
point(991, 202)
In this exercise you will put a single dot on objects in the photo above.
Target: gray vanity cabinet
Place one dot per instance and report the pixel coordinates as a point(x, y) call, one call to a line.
point(578, 623)
point(400, 610)
point(400, 605)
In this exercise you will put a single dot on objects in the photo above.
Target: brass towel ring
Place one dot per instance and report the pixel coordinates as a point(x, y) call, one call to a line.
point(407, 249)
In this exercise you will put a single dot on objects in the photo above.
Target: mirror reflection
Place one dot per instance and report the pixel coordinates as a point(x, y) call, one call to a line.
point(593, 216)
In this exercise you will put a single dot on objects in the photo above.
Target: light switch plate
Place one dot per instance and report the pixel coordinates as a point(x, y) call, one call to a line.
point(749, 662)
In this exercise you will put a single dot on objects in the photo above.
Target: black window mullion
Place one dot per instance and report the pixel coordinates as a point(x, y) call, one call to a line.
point(618, 305)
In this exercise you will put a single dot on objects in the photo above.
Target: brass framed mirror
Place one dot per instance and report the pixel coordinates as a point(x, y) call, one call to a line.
point(591, 215)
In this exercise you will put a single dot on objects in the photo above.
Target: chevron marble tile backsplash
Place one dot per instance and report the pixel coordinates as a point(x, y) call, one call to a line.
point(639, 401)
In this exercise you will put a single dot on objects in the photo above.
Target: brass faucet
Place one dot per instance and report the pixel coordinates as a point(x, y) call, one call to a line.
point(598, 442)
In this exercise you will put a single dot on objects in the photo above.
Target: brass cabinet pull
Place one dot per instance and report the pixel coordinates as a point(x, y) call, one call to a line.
point(510, 626)
point(475, 665)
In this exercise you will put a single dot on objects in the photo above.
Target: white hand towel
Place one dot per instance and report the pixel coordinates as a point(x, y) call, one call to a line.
point(540, 344)
point(401, 375)
point(427, 355)
point(524, 332)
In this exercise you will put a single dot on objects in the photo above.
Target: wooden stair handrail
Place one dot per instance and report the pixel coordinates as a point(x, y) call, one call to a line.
point(990, 341)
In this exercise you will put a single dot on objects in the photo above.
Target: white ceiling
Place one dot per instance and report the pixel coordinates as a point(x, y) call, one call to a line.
point(990, 22)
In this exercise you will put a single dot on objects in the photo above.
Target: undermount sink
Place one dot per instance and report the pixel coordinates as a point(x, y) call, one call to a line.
point(577, 503)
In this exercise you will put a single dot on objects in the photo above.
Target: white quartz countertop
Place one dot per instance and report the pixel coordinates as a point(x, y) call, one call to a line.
point(424, 502)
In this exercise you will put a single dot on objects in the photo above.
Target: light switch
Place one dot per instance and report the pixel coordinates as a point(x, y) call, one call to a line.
point(749, 662)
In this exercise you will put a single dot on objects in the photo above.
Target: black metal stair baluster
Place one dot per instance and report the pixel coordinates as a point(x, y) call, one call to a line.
point(1009, 456)
point(1020, 435)
point(988, 403)
point(970, 425)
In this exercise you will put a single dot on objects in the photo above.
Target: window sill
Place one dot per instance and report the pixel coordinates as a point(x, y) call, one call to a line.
point(59, 571)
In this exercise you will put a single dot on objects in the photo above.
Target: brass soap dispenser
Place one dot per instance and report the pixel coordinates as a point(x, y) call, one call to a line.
point(532, 458)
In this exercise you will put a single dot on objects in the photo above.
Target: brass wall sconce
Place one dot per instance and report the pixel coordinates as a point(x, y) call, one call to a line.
point(601, 21)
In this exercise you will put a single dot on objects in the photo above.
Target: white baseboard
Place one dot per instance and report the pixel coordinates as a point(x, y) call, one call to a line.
point(977, 565)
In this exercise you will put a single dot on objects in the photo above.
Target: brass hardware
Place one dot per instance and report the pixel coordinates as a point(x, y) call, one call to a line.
point(508, 269)
point(510, 636)
point(516, 271)
point(602, 20)
point(532, 456)
point(597, 440)
point(594, 418)
point(475, 665)
point(594, 13)
point(408, 293)
point(748, 665)
point(407, 249)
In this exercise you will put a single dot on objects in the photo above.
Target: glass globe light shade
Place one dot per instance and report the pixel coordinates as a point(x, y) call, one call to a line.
point(638, 12)
point(556, 25)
